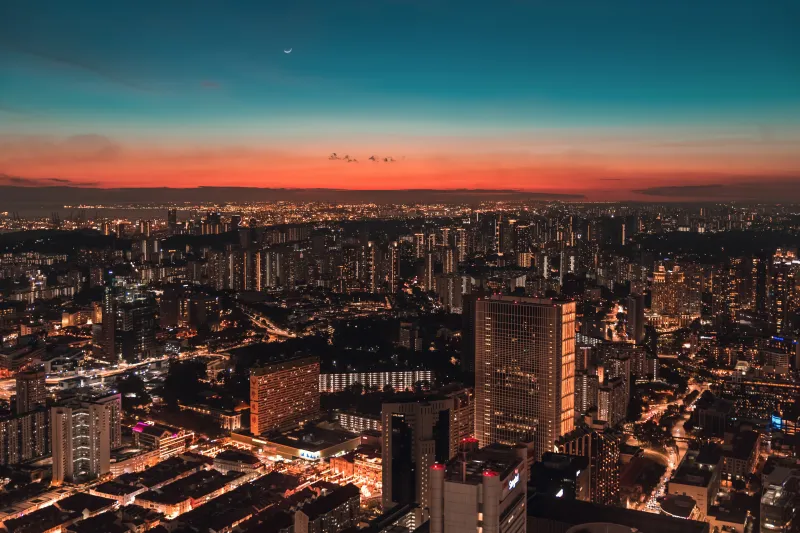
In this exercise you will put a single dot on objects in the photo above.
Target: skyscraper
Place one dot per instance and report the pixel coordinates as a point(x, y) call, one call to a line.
point(108, 351)
point(481, 490)
point(416, 434)
point(602, 450)
point(283, 393)
point(81, 440)
point(31, 390)
point(634, 325)
point(524, 371)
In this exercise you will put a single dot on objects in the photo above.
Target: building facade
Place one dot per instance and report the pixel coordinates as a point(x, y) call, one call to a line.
point(283, 393)
point(524, 371)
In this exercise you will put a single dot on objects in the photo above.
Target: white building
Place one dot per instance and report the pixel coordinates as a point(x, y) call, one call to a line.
point(482, 490)
point(81, 440)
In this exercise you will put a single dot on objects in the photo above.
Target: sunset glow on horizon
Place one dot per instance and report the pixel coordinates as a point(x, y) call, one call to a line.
point(456, 98)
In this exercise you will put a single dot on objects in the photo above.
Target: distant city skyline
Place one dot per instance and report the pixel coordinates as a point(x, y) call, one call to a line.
point(608, 101)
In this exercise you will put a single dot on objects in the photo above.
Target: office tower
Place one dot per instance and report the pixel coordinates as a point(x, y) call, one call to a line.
point(114, 403)
point(416, 434)
point(24, 436)
point(561, 476)
point(122, 227)
point(602, 450)
point(611, 404)
point(108, 350)
point(634, 325)
point(284, 393)
point(468, 302)
point(31, 390)
point(481, 490)
point(106, 228)
point(524, 371)
point(419, 245)
point(80, 440)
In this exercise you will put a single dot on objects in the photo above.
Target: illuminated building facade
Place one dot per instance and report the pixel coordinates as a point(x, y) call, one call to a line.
point(602, 450)
point(524, 371)
point(283, 393)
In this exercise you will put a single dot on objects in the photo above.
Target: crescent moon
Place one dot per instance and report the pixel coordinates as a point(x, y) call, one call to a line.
point(289, 51)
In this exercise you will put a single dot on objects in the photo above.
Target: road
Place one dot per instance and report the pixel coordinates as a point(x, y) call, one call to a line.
point(262, 322)
point(674, 456)
point(8, 386)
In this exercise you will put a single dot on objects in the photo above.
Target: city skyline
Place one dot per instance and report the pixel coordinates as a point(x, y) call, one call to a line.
point(608, 102)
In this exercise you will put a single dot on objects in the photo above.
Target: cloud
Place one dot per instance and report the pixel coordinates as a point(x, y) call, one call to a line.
point(89, 148)
point(20, 181)
point(765, 189)
point(682, 191)
point(59, 59)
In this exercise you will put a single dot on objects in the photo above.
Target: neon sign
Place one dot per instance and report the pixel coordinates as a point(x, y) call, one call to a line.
point(513, 481)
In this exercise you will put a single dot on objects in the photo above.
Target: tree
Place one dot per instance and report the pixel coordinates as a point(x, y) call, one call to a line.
point(183, 382)
point(388, 389)
point(133, 391)
point(356, 389)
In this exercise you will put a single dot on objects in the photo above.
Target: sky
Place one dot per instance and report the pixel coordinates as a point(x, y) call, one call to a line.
point(611, 99)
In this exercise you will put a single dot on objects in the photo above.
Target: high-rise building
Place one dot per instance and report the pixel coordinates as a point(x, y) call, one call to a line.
point(108, 349)
point(114, 403)
point(31, 390)
point(136, 329)
point(611, 404)
point(450, 263)
point(634, 325)
point(428, 282)
point(586, 385)
point(602, 450)
point(481, 490)
point(416, 434)
point(524, 371)
point(172, 221)
point(81, 440)
point(419, 245)
point(561, 476)
point(393, 268)
point(24, 436)
point(283, 393)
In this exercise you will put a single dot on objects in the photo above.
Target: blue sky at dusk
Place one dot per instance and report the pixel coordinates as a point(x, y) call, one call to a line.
point(671, 92)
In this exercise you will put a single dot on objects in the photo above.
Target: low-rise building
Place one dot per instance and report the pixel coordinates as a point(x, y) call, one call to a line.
point(740, 455)
point(698, 476)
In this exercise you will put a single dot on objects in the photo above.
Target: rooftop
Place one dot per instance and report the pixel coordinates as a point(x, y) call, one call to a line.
point(697, 468)
point(741, 445)
point(494, 460)
point(576, 512)
point(312, 439)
